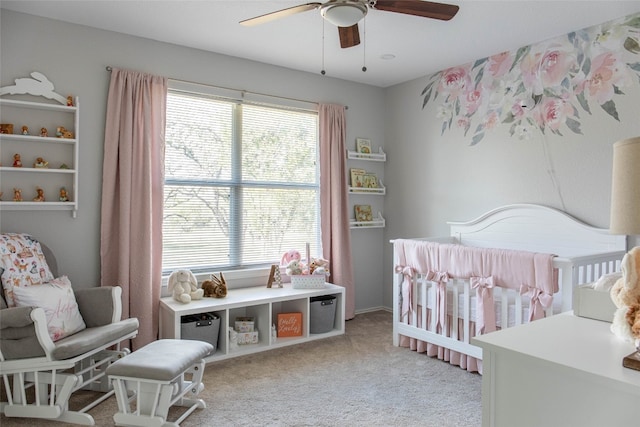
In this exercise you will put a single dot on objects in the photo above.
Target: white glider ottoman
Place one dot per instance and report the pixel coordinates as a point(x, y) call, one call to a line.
point(156, 376)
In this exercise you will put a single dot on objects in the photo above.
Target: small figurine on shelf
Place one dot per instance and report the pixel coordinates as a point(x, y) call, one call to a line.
point(41, 163)
point(64, 197)
point(64, 166)
point(62, 132)
point(44, 132)
point(17, 161)
point(6, 128)
point(39, 195)
point(25, 130)
point(17, 195)
point(69, 101)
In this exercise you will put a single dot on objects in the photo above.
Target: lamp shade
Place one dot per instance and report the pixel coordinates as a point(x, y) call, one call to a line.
point(625, 187)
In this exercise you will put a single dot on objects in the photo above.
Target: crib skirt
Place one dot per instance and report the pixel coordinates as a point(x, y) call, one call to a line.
point(471, 364)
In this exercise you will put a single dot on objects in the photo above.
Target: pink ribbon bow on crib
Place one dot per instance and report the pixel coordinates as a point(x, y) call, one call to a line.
point(408, 273)
point(441, 278)
point(540, 301)
point(486, 321)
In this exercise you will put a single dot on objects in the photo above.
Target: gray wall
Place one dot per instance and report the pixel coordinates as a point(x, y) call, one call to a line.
point(74, 58)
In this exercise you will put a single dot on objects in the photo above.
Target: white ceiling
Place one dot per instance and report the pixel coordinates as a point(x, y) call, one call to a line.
point(421, 46)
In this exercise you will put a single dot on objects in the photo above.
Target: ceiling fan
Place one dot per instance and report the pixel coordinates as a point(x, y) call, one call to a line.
point(345, 14)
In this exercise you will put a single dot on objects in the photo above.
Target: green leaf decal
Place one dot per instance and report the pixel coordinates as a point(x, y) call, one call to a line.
point(477, 138)
point(632, 45)
point(610, 108)
point(574, 125)
point(583, 102)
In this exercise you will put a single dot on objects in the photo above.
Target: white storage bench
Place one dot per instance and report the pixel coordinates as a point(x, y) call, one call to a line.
point(263, 305)
point(155, 374)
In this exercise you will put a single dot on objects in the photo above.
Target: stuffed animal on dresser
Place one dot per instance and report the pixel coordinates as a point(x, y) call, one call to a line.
point(625, 294)
point(184, 286)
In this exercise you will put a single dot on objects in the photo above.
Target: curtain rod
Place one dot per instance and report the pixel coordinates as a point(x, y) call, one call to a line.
point(346, 107)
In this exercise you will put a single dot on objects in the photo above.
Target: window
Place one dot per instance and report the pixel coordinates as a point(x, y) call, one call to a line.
point(241, 183)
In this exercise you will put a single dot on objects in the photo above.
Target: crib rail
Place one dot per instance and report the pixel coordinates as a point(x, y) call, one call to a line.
point(584, 269)
point(590, 268)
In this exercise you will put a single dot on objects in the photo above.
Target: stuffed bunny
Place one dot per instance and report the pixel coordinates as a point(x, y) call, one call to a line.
point(290, 255)
point(184, 286)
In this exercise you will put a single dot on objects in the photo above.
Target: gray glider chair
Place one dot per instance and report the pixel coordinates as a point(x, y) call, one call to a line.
point(40, 375)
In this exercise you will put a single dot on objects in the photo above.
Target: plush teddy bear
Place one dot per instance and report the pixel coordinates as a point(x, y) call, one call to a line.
point(625, 294)
point(294, 268)
point(633, 319)
point(319, 263)
point(184, 286)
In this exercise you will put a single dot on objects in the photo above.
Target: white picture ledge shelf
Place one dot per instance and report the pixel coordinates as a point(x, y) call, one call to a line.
point(378, 222)
point(380, 190)
point(380, 156)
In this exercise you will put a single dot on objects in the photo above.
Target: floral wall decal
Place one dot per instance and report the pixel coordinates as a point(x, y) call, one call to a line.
point(543, 87)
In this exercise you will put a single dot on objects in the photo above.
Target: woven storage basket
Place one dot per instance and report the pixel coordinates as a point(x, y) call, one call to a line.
point(307, 282)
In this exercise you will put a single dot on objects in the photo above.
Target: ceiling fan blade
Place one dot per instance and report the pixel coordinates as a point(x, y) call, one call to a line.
point(426, 9)
point(349, 36)
point(279, 14)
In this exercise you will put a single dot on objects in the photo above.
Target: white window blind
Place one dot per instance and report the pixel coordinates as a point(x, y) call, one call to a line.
point(241, 183)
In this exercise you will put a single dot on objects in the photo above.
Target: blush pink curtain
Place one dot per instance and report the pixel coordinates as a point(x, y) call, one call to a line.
point(132, 196)
point(334, 203)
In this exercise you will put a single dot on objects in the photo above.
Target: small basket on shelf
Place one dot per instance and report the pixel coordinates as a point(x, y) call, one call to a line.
point(308, 281)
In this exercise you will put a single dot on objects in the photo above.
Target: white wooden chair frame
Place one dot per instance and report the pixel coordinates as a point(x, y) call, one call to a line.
point(54, 381)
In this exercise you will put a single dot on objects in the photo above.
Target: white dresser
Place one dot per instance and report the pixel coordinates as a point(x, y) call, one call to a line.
point(560, 371)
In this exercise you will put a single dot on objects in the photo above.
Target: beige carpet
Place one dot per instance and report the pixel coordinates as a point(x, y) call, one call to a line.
point(356, 379)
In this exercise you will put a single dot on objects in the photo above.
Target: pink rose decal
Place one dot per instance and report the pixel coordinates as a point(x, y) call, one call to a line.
point(454, 81)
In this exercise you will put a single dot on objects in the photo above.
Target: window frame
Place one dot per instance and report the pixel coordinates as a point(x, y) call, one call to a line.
point(236, 184)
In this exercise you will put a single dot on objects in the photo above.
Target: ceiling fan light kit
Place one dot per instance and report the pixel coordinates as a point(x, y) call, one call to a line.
point(343, 13)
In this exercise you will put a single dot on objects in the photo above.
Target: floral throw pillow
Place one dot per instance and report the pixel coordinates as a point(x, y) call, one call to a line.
point(59, 304)
point(22, 263)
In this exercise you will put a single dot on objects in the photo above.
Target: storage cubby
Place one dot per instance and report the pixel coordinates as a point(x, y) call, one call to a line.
point(263, 304)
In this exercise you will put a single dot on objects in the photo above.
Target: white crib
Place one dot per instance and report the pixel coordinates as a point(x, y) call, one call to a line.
point(582, 254)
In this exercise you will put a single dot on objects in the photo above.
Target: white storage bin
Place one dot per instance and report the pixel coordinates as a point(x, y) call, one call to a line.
point(594, 304)
point(308, 281)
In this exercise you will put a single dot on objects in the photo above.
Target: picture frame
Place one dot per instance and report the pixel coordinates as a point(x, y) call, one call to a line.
point(363, 146)
point(289, 325)
point(357, 177)
point(370, 180)
point(363, 213)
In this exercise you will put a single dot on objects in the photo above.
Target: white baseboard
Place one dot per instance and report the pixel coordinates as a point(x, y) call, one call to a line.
point(369, 310)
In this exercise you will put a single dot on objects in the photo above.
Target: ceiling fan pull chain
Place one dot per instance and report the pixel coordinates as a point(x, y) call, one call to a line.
point(323, 72)
point(364, 44)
